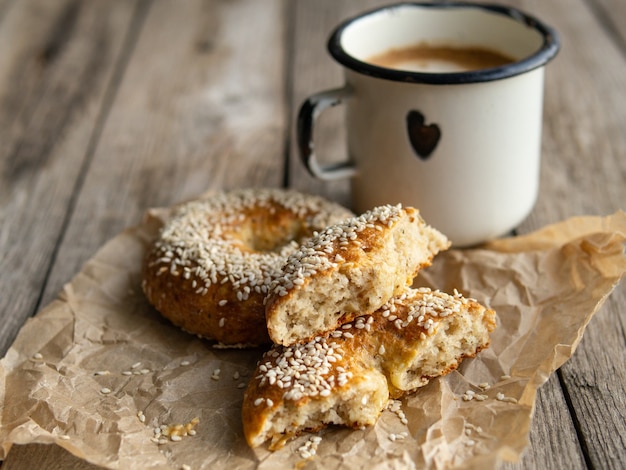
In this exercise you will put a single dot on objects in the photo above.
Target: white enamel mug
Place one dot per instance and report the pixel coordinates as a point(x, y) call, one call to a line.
point(461, 146)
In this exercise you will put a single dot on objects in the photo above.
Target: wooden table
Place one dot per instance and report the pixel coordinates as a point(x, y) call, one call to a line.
point(109, 107)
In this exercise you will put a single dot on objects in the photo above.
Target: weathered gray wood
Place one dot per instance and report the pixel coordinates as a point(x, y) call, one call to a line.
point(584, 172)
point(551, 446)
point(595, 380)
point(55, 67)
point(198, 98)
point(87, 147)
point(4, 6)
point(612, 15)
point(313, 71)
point(200, 92)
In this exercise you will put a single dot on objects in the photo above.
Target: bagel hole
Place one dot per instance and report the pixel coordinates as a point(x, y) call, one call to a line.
point(271, 232)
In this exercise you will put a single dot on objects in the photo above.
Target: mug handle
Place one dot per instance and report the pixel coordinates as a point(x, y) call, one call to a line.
point(309, 111)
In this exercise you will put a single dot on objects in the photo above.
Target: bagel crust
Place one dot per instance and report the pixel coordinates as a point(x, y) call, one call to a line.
point(347, 376)
point(349, 269)
point(211, 266)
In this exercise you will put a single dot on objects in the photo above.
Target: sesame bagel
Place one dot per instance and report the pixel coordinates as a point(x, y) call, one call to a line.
point(347, 376)
point(349, 269)
point(211, 266)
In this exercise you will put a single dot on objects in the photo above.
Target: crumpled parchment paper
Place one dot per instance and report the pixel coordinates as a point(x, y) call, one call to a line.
point(98, 369)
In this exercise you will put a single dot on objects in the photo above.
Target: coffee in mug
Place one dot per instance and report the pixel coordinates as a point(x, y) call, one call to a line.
point(451, 133)
point(424, 57)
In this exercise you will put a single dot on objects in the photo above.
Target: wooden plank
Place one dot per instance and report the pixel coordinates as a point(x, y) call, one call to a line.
point(612, 15)
point(4, 6)
point(200, 92)
point(551, 447)
point(197, 95)
point(584, 172)
point(313, 71)
point(55, 67)
point(583, 165)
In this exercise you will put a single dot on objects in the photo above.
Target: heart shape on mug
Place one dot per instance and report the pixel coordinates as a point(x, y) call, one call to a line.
point(424, 138)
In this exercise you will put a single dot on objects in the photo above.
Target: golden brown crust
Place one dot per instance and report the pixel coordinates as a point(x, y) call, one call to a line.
point(347, 376)
point(349, 269)
point(210, 268)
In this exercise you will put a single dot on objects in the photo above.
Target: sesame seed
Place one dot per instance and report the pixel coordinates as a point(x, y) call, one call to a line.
point(185, 363)
point(501, 397)
point(317, 368)
point(37, 356)
point(193, 241)
point(309, 448)
point(102, 372)
point(105, 390)
point(315, 254)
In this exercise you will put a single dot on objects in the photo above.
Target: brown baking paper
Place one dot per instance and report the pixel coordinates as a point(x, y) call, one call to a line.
point(101, 335)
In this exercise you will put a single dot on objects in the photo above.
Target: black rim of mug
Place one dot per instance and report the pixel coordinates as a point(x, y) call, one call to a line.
point(548, 50)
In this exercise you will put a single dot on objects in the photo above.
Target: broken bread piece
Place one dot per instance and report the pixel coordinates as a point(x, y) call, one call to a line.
point(349, 269)
point(347, 376)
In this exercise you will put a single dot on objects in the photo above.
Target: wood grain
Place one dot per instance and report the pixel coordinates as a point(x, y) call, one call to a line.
point(108, 107)
point(55, 68)
point(612, 15)
point(576, 81)
point(196, 96)
point(551, 448)
point(584, 172)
